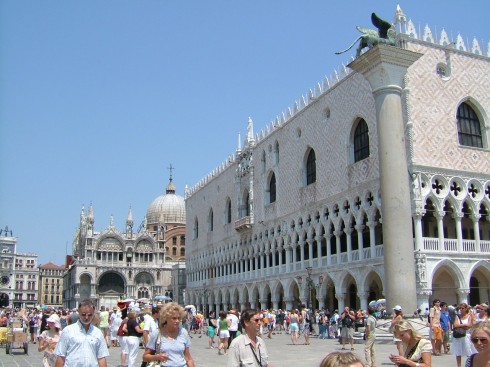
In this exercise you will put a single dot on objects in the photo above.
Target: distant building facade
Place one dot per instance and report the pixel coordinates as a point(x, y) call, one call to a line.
point(308, 211)
point(18, 273)
point(131, 263)
point(51, 284)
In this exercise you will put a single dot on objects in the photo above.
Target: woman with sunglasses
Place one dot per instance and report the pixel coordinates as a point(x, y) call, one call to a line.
point(462, 346)
point(480, 337)
point(248, 349)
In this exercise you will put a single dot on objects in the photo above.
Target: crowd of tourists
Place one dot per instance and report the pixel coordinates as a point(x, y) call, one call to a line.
point(165, 332)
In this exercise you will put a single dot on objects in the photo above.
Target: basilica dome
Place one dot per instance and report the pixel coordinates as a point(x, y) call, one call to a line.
point(168, 208)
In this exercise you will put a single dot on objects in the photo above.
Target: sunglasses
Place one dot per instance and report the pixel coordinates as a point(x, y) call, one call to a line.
point(481, 340)
point(256, 320)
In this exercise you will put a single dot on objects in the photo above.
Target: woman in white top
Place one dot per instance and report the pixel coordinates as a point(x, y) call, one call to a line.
point(462, 346)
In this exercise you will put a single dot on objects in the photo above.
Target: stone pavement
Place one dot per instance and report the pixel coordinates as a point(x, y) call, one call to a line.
point(281, 352)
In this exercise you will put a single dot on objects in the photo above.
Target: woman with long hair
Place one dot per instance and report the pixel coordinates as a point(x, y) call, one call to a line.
point(223, 332)
point(171, 346)
point(480, 337)
point(294, 326)
point(212, 325)
point(48, 340)
point(462, 346)
point(416, 348)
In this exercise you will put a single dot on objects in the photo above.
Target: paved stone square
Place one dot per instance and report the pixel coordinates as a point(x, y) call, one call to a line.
point(281, 350)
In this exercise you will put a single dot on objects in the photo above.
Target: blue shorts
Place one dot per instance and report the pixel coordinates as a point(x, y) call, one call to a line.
point(294, 326)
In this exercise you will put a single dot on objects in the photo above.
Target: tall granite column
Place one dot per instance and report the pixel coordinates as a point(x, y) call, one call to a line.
point(385, 67)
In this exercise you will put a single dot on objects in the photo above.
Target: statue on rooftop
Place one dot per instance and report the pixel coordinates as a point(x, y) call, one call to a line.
point(370, 37)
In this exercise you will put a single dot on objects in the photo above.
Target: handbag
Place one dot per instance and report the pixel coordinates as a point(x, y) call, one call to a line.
point(459, 332)
point(153, 363)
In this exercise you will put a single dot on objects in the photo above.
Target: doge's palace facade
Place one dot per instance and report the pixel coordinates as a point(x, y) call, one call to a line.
point(380, 170)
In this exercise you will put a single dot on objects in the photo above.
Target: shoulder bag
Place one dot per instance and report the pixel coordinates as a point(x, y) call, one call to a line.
point(459, 332)
point(153, 363)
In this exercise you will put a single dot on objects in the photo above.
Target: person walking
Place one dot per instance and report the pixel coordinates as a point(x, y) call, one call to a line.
point(48, 340)
point(446, 327)
point(171, 346)
point(435, 325)
point(370, 333)
point(104, 324)
point(82, 344)
point(133, 338)
point(461, 345)
point(223, 332)
point(212, 326)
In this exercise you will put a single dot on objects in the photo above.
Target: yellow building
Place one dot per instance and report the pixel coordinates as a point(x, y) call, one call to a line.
point(51, 284)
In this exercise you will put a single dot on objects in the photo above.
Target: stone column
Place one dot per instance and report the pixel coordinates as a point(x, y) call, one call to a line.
point(372, 237)
point(348, 234)
point(340, 297)
point(476, 229)
point(459, 232)
point(419, 241)
point(363, 296)
point(385, 67)
point(360, 243)
point(463, 295)
point(440, 229)
point(289, 303)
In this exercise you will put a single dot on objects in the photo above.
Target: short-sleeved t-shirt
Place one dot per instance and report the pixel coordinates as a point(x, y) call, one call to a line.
point(174, 347)
point(371, 322)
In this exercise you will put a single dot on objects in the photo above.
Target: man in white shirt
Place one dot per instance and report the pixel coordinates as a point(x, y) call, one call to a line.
point(151, 324)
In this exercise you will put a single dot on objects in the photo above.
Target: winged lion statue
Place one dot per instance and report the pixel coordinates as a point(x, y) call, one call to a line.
point(370, 37)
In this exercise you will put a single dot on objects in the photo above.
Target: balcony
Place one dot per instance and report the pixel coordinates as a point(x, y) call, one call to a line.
point(243, 224)
point(449, 245)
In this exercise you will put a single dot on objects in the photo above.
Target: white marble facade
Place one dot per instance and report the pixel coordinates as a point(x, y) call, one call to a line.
point(258, 221)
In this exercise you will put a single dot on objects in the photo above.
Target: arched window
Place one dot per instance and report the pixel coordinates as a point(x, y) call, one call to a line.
point(196, 228)
point(469, 127)
point(245, 208)
point(272, 188)
point(311, 168)
point(228, 211)
point(211, 221)
point(276, 152)
point(361, 141)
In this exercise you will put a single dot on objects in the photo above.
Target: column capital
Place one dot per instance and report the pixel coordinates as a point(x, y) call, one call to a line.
point(385, 66)
point(463, 291)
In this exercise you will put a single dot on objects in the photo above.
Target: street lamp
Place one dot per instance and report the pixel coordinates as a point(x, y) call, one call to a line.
point(204, 294)
point(310, 284)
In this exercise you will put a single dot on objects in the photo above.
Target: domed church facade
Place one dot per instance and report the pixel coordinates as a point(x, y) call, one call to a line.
point(133, 263)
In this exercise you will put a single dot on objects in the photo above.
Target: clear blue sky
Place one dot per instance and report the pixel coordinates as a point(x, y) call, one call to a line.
point(97, 98)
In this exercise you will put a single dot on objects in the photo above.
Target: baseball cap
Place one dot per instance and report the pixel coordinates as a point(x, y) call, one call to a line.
point(397, 308)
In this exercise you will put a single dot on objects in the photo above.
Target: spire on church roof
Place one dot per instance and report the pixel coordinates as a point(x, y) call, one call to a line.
point(400, 18)
point(129, 219)
point(90, 214)
point(250, 132)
